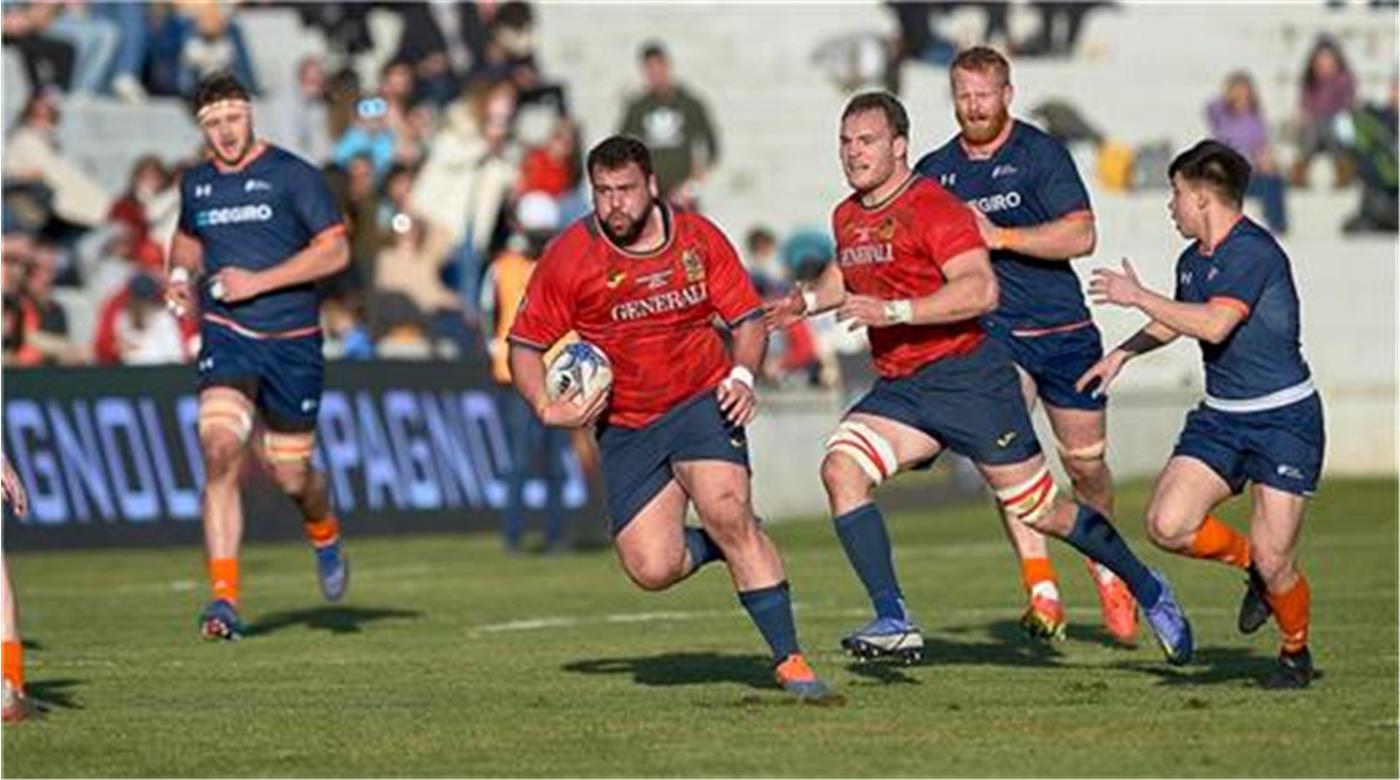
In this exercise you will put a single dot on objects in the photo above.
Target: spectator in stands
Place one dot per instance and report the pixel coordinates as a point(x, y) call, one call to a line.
point(48, 59)
point(297, 118)
point(369, 135)
point(1373, 143)
point(362, 217)
point(1059, 29)
point(395, 197)
point(16, 351)
point(346, 335)
point(411, 267)
point(94, 39)
point(1328, 91)
point(32, 154)
point(212, 42)
point(536, 220)
point(46, 321)
point(401, 330)
point(135, 327)
point(133, 41)
point(556, 169)
point(149, 194)
point(1236, 119)
point(471, 168)
point(766, 271)
point(442, 41)
point(675, 125)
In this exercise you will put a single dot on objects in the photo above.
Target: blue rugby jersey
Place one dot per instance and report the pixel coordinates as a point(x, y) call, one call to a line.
point(254, 217)
point(1247, 270)
point(1029, 180)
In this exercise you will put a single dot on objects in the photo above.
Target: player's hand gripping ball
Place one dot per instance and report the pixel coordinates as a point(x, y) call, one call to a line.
point(579, 365)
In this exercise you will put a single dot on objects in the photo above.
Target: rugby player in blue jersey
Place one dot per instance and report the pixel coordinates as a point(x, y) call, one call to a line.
point(1261, 420)
point(1034, 214)
point(258, 226)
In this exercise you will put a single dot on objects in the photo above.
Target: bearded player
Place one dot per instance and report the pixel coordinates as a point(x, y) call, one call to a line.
point(1033, 211)
point(912, 267)
point(643, 282)
point(257, 227)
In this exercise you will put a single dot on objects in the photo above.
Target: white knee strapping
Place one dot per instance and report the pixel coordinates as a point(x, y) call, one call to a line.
point(288, 447)
point(1093, 451)
point(1030, 500)
point(228, 414)
point(871, 451)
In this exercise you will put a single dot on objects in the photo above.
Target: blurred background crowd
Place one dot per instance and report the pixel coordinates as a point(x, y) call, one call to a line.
point(456, 158)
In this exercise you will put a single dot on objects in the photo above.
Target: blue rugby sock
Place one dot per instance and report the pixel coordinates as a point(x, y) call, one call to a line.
point(702, 548)
point(862, 533)
point(1094, 536)
point(771, 610)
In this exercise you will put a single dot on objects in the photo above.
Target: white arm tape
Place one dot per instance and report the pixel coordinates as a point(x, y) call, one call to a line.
point(809, 302)
point(179, 275)
point(742, 375)
point(899, 312)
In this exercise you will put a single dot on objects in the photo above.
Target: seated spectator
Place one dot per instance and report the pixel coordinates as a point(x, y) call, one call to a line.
point(1236, 119)
point(766, 271)
point(148, 188)
point(472, 167)
point(17, 352)
point(32, 154)
point(213, 42)
point(676, 126)
point(401, 330)
point(369, 135)
point(1328, 90)
point(133, 42)
point(46, 321)
point(1373, 143)
point(297, 117)
point(346, 335)
point(135, 327)
point(555, 168)
point(361, 211)
point(1059, 29)
point(48, 59)
point(442, 41)
point(94, 39)
point(395, 197)
point(411, 268)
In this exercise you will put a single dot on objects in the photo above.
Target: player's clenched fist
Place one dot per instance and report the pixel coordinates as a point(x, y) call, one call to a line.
point(572, 411)
point(232, 285)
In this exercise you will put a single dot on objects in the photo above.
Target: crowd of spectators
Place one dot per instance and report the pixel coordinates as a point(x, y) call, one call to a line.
point(442, 158)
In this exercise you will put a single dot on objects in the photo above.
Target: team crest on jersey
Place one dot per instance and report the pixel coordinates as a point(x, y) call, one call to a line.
point(616, 277)
point(693, 265)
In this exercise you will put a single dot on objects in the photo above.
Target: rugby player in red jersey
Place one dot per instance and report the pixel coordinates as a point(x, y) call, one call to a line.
point(644, 282)
point(912, 267)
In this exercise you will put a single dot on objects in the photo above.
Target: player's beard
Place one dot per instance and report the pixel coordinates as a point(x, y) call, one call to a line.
point(984, 129)
point(628, 235)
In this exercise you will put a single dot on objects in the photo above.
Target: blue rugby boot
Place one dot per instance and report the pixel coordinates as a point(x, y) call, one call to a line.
point(1169, 624)
point(332, 570)
point(886, 637)
point(220, 620)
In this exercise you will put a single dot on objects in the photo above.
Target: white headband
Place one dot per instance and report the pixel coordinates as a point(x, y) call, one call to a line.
point(218, 104)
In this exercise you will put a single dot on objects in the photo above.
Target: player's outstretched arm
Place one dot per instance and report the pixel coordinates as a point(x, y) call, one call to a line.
point(1102, 374)
point(969, 291)
point(322, 258)
point(1066, 238)
point(527, 372)
point(828, 292)
point(1212, 322)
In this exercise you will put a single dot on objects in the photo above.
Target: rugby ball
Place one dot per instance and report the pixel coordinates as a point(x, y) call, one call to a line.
point(580, 365)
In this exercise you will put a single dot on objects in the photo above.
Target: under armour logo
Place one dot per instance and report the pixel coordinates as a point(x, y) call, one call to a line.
point(203, 190)
point(950, 179)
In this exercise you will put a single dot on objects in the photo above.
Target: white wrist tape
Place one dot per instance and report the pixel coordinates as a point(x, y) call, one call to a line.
point(809, 301)
point(741, 375)
point(899, 312)
point(179, 275)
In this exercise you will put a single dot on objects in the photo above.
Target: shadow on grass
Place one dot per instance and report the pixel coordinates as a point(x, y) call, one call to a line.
point(53, 694)
point(336, 620)
point(1210, 666)
point(669, 669)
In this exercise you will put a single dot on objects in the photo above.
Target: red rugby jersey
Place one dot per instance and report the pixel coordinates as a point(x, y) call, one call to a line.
point(652, 314)
point(897, 250)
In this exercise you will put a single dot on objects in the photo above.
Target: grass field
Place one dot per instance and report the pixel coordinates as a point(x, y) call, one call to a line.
point(450, 659)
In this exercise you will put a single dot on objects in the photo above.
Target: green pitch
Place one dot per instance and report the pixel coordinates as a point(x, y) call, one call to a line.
point(451, 659)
